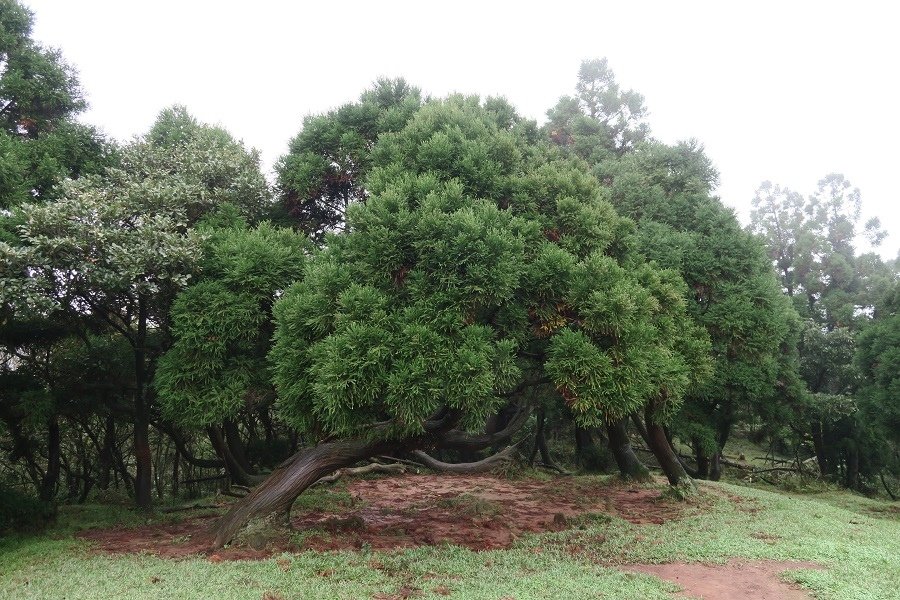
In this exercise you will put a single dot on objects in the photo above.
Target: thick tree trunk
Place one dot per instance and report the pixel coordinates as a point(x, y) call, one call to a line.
point(587, 455)
point(278, 492)
point(143, 480)
point(702, 460)
point(666, 457)
point(236, 446)
point(630, 467)
point(51, 475)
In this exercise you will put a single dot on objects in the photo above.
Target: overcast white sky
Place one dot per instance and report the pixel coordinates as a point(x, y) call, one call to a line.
point(785, 91)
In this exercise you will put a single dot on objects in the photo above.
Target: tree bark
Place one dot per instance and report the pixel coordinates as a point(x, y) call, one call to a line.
point(702, 460)
point(462, 441)
point(278, 492)
point(480, 466)
point(666, 457)
point(236, 446)
point(232, 466)
point(630, 467)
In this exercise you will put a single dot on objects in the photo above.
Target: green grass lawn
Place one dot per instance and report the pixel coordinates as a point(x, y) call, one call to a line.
point(856, 539)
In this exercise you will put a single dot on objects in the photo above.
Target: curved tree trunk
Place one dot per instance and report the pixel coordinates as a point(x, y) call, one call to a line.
point(630, 467)
point(664, 453)
point(278, 492)
point(236, 446)
point(237, 473)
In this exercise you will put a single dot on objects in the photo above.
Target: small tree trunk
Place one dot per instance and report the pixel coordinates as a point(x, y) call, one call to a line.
point(630, 467)
point(818, 437)
point(51, 475)
point(540, 445)
point(702, 460)
point(175, 467)
point(143, 481)
point(278, 492)
point(106, 453)
point(666, 457)
point(851, 477)
point(715, 466)
point(481, 466)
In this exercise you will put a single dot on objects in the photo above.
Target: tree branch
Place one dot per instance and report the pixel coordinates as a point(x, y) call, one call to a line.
point(481, 466)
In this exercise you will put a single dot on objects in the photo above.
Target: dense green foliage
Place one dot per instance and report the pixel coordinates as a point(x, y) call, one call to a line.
point(812, 244)
point(480, 263)
point(423, 270)
point(323, 171)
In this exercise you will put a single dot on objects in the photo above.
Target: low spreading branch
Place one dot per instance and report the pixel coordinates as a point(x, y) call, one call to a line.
point(481, 466)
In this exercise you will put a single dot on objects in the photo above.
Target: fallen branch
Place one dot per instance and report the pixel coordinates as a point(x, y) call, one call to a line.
point(202, 479)
point(370, 468)
point(481, 466)
point(233, 494)
point(196, 505)
point(552, 467)
point(402, 461)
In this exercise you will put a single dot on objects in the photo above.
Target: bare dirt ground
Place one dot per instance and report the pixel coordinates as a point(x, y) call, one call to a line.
point(480, 512)
point(737, 580)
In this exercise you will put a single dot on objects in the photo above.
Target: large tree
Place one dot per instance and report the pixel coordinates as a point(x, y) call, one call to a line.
point(812, 241)
point(481, 266)
point(731, 292)
point(215, 374)
point(114, 250)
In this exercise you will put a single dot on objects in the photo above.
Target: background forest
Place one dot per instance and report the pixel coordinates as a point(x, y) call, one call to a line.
point(432, 279)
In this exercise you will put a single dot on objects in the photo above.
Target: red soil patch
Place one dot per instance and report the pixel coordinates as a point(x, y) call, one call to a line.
point(737, 580)
point(480, 512)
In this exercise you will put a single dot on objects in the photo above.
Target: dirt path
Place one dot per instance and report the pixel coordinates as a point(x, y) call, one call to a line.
point(480, 512)
point(737, 580)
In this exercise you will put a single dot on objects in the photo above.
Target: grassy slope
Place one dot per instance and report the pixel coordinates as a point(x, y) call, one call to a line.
point(856, 539)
